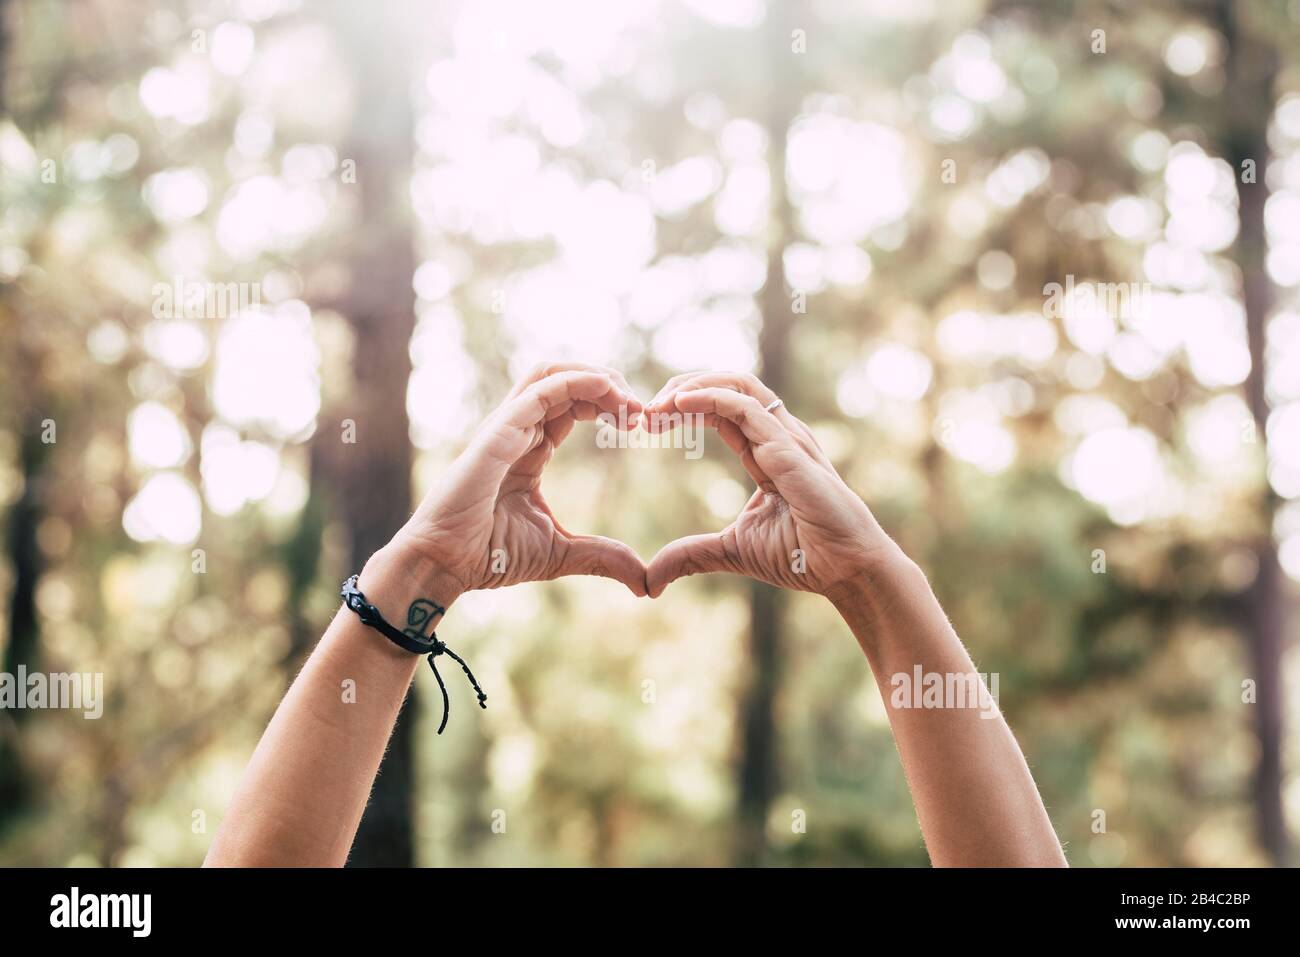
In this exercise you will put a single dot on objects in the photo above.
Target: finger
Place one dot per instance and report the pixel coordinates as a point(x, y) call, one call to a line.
point(776, 450)
point(741, 382)
point(692, 555)
point(516, 428)
point(560, 420)
point(555, 395)
point(736, 441)
point(545, 369)
point(671, 385)
point(558, 426)
point(560, 431)
point(606, 558)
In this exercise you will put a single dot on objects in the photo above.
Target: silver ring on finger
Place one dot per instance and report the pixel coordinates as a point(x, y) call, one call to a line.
point(774, 405)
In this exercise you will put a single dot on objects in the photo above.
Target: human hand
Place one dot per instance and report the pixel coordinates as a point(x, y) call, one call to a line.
point(487, 524)
point(803, 528)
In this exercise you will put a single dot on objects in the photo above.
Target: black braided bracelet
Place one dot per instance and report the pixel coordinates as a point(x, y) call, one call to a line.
point(419, 616)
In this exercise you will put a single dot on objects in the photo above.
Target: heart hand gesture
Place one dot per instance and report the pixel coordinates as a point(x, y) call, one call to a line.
point(487, 525)
point(803, 528)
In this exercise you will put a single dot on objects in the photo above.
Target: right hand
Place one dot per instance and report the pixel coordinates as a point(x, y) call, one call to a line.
point(487, 524)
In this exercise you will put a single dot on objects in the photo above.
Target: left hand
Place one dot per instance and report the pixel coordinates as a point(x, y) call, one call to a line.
point(803, 528)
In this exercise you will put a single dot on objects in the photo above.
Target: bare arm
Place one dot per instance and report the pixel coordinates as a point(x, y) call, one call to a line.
point(974, 795)
point(301, 798)
point(805, 529)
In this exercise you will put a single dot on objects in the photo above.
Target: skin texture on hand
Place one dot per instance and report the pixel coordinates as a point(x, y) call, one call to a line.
point(487, 525)
point(803, 528)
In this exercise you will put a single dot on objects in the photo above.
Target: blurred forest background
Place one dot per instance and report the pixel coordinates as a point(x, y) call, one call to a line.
point(862, 201)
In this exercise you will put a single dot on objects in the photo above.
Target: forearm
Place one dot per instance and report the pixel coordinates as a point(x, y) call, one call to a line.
point(974, 795)
point(301, 798)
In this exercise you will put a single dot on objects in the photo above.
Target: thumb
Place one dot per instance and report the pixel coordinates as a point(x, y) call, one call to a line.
point(606, 558)
point(692, 555)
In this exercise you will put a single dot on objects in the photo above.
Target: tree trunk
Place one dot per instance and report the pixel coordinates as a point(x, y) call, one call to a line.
point(4, 60)
point(1248, 99)
point(758, 766)
point(23, 645)
point(24, 554)
point(373, 487)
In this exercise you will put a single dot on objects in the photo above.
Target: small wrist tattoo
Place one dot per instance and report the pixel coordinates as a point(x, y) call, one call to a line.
point(421, 616)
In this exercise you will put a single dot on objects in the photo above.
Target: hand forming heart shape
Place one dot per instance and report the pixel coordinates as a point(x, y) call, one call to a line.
point(803, 528)
point(487, 524)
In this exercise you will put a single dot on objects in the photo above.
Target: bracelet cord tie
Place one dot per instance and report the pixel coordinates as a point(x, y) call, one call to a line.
point(412, 638)
point(440, 648)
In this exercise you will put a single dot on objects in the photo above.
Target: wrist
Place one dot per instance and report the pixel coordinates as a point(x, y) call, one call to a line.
point(398, 574)
point(877, 585)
